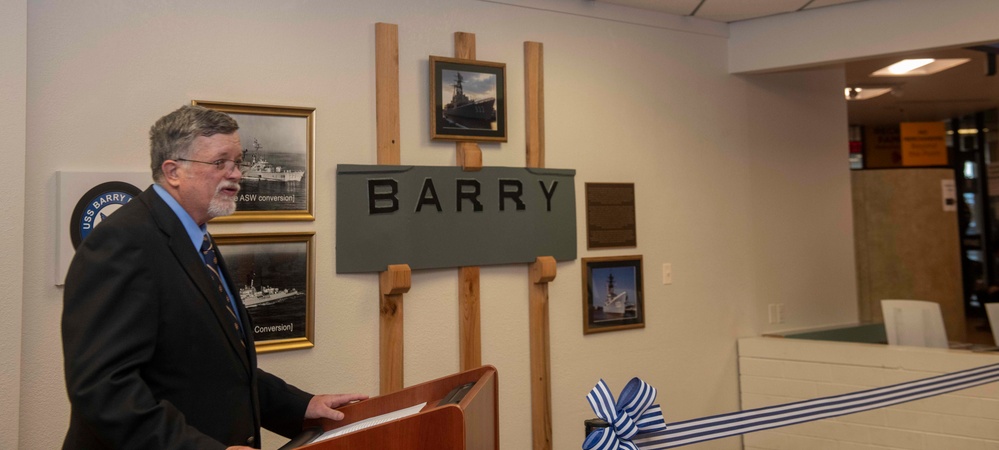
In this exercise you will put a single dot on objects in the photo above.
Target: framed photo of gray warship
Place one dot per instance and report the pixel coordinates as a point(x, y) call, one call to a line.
point(467, 100)
point(278, 154)
point(613, 296)
point(274, 274)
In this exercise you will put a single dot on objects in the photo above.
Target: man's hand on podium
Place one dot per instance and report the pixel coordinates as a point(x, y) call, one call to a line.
point(321, 406)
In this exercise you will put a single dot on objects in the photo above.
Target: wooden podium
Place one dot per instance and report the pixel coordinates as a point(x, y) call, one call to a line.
point(471, 423)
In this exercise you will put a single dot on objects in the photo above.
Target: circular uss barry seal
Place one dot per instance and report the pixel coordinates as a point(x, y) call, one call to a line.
point(96, 205)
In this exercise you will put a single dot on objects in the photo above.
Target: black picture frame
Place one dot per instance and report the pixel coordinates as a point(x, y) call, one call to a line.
point(613, 293)
point(274, 277)
point(467, 100)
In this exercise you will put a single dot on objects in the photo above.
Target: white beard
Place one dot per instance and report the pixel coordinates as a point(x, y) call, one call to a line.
point(221, 205)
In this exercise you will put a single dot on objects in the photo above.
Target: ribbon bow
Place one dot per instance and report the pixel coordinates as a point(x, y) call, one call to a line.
point(634, 413)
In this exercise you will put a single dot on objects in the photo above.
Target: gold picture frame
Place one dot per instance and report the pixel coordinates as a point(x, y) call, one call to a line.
point(274, 275)
point(279, 143)
point(613, 293)
point(476, 112)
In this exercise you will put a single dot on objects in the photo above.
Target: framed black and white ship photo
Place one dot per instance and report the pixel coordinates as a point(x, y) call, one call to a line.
point(274, 277)
point(613, 297)
point(278, 153)
point(467, 100)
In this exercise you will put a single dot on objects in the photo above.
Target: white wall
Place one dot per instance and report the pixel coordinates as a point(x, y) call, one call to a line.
point(741, 183)
point(799, 217)
point(13, 86)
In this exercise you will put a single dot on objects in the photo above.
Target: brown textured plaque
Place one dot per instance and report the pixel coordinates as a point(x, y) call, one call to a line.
point(610, 215)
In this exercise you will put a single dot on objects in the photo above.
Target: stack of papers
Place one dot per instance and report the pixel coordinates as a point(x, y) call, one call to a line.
point(369, 422)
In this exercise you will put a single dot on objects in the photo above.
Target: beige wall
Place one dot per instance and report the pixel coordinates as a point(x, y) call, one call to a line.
point(13, 47)
point(741, 182)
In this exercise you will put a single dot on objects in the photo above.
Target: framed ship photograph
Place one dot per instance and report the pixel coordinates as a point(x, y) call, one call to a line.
point(278, 153)
point(467, 100)
point(274, 276)
point(613, 296)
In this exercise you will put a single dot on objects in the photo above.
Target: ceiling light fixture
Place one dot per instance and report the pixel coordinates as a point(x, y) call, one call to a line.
point(917, 67)
point(967, 131)
point(864, 93)
point(908, 65)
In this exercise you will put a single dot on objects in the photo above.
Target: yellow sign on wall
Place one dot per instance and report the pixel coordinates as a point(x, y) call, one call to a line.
point(924, 144)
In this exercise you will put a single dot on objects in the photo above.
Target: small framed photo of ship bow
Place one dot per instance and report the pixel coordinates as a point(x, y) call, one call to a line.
point(613, 296)
point(278, 161)
point(467, 100)
point(274, 276)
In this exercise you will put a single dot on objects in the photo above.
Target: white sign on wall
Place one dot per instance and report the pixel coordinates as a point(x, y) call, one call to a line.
point(949, 194)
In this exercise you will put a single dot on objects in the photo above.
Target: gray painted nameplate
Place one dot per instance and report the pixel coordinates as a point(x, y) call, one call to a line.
point(441, 216)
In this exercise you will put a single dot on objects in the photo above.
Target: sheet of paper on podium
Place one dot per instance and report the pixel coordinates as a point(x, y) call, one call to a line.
point(370, 422)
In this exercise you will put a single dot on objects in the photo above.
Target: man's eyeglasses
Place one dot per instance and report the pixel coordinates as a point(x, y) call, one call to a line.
point(221, 164)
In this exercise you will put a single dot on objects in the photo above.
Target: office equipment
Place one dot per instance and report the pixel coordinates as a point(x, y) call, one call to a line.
point(915, 323)
point(456, 394)
point(469, 422)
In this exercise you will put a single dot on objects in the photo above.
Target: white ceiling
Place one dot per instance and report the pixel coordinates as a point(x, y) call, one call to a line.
point(726, 10)
point(963, 90)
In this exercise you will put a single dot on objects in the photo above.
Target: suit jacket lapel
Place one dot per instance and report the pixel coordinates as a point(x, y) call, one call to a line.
point(189, 258)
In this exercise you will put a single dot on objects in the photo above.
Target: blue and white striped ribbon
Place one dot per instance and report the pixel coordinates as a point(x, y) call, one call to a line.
point(633, 413)
point(715, 427)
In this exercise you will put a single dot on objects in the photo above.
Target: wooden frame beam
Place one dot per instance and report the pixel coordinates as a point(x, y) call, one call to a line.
point(542, 271)
point(396, 280)
point(469, 157)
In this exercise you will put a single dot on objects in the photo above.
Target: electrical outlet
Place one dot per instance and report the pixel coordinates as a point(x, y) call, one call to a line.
point(667, 273)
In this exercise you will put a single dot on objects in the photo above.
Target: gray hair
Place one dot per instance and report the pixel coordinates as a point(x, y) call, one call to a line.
point(172, 135)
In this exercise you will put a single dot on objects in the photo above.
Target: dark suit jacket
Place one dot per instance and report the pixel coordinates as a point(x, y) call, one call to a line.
point(151, 357)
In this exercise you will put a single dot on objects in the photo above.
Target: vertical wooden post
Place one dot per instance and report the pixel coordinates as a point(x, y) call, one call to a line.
point(392, 283)
point(396, 280)
point(469, 329)
point(543, 269)
point(534, 103)
point(387, 92)
point(469, 157)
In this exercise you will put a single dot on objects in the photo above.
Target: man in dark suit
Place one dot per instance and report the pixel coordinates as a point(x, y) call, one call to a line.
point(158, 352)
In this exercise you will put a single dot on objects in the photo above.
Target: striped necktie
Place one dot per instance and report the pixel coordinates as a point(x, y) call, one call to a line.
point(212, 263)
